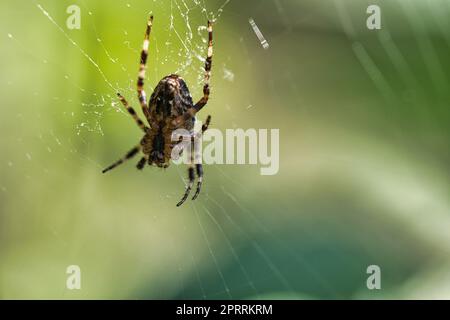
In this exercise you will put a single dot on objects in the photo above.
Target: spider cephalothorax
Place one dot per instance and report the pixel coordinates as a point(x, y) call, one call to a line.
point(170, 108)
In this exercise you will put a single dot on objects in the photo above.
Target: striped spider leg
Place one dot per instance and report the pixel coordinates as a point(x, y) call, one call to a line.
point(198, 166)
point(191, 113)
point(142, 100)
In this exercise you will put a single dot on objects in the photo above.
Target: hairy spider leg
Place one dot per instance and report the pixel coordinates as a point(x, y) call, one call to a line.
point(142, 67)
point(206, 91)
point(208, 63)
point(141, 164)
point(132, 112)
point(191, 175)
point(128, 156)
point(205, 126)
point(199, 166)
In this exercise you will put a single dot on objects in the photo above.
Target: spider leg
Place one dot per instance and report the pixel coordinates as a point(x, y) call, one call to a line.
point(191, 176)
point(132, 112)
point(128, 156)
point(208, 63)
point(142, 67)
point(199, 166)
point(141, 164)
point(205, 126)
point(202, 102)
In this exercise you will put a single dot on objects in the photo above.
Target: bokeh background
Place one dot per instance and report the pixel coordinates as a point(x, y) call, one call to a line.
point(364, 152)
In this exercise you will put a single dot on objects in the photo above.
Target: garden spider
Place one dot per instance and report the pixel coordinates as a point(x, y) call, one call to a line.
point(170, 108)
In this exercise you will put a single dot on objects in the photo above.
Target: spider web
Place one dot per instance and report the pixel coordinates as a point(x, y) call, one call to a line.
point(184, 50)
point(188, 59)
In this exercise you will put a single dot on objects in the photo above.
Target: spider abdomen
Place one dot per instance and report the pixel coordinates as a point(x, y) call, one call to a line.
point(170, 99)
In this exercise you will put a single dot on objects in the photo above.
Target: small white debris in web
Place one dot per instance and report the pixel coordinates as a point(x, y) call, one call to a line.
point(228, 74)
point(259, 34)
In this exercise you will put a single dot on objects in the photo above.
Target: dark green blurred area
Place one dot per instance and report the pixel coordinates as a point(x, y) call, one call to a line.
point(364, 152)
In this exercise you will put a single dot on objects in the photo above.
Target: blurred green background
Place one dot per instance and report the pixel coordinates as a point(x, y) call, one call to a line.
point(364, 152)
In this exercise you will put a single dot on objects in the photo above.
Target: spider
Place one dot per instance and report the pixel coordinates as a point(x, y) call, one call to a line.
point(170, 107)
